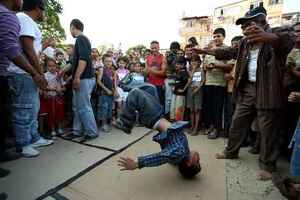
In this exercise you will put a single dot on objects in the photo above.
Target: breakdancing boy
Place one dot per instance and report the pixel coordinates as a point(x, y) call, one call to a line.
point(173, 142)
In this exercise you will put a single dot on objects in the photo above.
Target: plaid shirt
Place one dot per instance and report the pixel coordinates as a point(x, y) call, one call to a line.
point(174, 147)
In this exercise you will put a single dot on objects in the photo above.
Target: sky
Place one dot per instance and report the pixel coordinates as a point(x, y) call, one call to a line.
point(133, 22)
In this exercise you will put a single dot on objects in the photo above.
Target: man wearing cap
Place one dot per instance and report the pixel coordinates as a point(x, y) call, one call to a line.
point(258, 90)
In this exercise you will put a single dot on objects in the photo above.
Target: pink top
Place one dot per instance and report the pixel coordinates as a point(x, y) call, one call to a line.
point(122, 73)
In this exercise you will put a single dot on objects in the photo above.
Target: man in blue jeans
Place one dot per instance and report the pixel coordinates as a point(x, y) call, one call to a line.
point(83, 84)
point(173, 142)
point(25, 102)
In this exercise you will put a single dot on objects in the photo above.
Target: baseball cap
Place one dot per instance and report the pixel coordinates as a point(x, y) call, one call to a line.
point(251, 14)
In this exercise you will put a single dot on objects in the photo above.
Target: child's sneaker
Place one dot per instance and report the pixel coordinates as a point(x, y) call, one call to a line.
point(53, 134)
point(105, 128)
point(60, 131)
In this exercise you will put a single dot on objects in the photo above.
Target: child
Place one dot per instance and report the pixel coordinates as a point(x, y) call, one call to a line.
point(194, 94)
point(180, 87)
point(121, 72)
point(173, 142)
point(52, 100)
point(106, 80)
point(60, 59)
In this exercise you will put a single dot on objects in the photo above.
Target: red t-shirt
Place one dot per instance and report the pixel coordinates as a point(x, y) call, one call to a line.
point(156, 62)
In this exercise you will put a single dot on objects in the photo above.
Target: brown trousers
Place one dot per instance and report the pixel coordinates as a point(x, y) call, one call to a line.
point(269, 126)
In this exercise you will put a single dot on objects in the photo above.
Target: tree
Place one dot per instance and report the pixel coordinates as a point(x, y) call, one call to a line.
point(51, 27)
point(139, 48)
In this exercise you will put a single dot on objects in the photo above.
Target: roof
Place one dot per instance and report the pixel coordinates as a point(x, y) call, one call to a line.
point(290, 14)
point(230, 4)
point(196, 17)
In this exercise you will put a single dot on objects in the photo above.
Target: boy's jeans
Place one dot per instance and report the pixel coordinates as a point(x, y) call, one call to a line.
point(105, 107)
point(295, 162)
point(168, 95)
point(147, 105)
point(25, 105)
point(82, 107)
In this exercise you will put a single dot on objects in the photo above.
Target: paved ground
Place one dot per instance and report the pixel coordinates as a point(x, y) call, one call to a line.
point(68, 170)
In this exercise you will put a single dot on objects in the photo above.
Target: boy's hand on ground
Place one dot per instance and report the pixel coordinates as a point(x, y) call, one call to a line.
point(127, 164)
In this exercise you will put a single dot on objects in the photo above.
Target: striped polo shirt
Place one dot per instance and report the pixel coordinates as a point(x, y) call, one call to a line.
point(9, 38)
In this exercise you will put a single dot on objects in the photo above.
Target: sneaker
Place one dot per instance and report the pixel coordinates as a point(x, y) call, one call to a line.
point(42, 143)
point(72, 136)
point(30, 152)
point(213, 135)
point(3, 196)
point(60, 131)
point(88, 138)
point(105, 128)
point(53, 134)
point(120, 125)
point(4, 172)
point(254, 151)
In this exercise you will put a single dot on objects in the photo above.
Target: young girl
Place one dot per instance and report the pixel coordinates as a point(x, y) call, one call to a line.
point(121, 72)
point(106, 81)
point(194, 93)
point(52, 100)
point(180, 87)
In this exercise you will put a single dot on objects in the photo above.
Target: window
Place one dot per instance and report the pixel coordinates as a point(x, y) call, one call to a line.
point(222, 12)
point(275, 2)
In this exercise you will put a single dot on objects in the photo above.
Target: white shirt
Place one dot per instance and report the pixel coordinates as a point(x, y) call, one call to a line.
point(28, 28)
point(197, 78)
point(252, 67)
point(53, 82)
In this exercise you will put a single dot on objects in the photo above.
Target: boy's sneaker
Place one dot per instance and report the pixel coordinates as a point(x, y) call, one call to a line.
point(105, 128)
point(88, 138)
point(29, 152)
point(60, 131)
point(53, 134)
point(42, 143)
point(120, 125)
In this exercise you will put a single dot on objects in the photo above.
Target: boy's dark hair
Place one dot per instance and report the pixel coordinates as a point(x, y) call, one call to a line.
point(59, 53)
point(124, 59)
point(188, 172)
point(236, 38)
point(132, 64)
point(49, 60)
point(180, 60)
point(77, 24)
point(188, 46)
point(220, 31)
point(29, 5)
point(154, 42)
point(106, 56)
point(174, 46)
point(193, 40)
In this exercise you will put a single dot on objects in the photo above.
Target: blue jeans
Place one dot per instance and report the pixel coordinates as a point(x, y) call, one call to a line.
point(82, 108)
point(105, 107)
point(295, 162)
point(146, 104)
point(168, 95)
point(25, 105)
